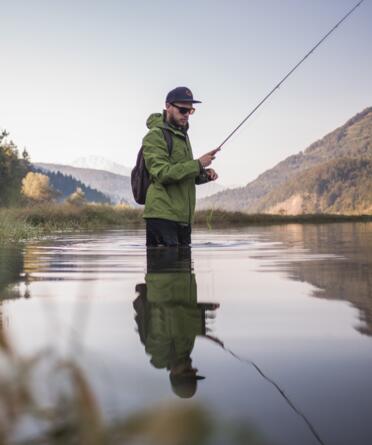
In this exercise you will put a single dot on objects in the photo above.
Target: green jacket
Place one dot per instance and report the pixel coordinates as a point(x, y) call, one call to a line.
point(171, 194)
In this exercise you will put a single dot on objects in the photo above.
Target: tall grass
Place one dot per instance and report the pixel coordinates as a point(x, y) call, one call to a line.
point(221, 218)
point(30, 222)
point(15, 229)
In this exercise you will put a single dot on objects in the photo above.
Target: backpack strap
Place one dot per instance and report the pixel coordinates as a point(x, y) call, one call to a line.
point(169, 140)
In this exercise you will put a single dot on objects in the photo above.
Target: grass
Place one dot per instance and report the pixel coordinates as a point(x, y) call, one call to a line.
point(71, 413)
point(222, 219)
point(32, 222)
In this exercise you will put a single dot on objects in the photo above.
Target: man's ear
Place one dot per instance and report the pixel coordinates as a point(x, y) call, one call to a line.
point(167, 105)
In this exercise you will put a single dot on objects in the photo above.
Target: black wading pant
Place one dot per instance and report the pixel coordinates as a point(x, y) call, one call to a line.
point(163, 232)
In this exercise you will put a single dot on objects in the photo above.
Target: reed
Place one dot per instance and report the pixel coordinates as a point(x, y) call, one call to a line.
point(72, 414)
point(222, 219)
point(31, 222)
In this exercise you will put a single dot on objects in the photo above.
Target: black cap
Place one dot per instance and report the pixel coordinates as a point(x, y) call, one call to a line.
point(181, 94)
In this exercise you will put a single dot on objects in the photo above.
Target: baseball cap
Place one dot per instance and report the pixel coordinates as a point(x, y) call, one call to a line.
point(181, 94)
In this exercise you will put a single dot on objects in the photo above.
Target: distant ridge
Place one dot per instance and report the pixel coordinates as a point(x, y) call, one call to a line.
point(101, 163)
point(65, 185)
point(117, 187)
point(352, 141)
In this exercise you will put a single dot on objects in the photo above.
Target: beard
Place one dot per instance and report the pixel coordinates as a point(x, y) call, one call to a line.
point(173, 122)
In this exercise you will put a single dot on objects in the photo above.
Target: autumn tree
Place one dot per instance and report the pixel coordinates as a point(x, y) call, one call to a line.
point(36, 187)
point(77, 198)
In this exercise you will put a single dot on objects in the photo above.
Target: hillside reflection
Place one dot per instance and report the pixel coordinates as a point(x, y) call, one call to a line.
point(345, 273)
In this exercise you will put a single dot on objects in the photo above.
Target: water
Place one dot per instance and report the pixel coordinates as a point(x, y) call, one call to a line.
point(278, 321)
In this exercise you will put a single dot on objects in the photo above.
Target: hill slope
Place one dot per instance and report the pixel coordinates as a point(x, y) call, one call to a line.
point(65, 185)
point(117, 187)
point(353, 140)
point(340, 186)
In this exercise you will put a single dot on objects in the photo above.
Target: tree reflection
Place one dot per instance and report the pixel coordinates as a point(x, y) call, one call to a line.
point(11, 273)
point(169, 317)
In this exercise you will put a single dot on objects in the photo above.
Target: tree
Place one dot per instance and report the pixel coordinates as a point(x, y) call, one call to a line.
point(12, 170)
point(36, 187)
point(77, 198)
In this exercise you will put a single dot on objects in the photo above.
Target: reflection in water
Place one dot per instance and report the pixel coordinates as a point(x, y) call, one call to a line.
point(169, 317)
point(11, 274)
point(307, 348)
point(346, 275)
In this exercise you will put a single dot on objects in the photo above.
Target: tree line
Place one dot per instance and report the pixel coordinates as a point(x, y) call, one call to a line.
point(21, 183)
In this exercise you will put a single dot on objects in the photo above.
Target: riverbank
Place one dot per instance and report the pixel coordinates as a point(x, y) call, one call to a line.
point(221, 218)
point(37, 221)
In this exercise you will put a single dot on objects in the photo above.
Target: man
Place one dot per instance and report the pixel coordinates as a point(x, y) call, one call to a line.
point(170, 199)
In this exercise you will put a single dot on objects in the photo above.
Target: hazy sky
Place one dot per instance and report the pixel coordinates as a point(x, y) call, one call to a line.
point(80, 78)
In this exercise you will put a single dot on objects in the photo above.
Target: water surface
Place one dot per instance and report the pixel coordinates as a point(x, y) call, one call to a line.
point(278, 321)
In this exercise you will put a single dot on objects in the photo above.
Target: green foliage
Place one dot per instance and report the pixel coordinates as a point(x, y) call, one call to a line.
point(12, 171)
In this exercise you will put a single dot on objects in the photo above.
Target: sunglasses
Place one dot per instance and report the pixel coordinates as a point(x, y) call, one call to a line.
point(184, 110)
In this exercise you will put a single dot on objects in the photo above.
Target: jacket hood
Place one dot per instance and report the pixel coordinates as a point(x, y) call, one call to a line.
point(158, 120)
point(155, 120)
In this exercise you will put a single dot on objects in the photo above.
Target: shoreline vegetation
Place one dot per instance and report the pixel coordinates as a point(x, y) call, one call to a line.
point(23, 223)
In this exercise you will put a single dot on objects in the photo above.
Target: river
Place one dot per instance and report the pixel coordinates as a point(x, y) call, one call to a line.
point(276, 320)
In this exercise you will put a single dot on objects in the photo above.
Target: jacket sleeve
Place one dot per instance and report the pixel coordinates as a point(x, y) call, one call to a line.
point(155, 152)
point(202, 178)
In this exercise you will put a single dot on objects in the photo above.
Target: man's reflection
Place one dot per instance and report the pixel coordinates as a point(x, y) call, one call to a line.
point(169, 317)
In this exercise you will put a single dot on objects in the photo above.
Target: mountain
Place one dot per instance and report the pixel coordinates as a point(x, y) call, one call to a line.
point(339, 186)
point(287, 186)
point(208, 189)
point(66, 185)
point(117, 187)
point(101, 163)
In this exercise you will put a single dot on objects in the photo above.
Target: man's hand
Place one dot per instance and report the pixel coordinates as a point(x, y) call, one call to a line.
point(207, 159)
point(212, 175)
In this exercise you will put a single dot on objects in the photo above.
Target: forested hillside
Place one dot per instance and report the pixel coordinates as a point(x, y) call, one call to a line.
point(339, 186)
point(65, 185)
point(351, 141)
point(117, 187)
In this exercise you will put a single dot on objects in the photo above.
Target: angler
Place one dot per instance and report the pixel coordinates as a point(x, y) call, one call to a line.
point(173, 172)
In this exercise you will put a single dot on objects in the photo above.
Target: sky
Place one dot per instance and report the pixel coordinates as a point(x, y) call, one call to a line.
point(80, 78)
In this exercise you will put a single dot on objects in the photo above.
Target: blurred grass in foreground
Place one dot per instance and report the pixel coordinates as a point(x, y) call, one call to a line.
point(72, 415)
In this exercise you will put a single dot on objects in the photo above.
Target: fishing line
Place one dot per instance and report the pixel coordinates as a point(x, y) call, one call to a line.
point(290, 72)
point(272, 382)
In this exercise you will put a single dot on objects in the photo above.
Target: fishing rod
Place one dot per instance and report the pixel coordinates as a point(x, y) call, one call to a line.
point(290, 72)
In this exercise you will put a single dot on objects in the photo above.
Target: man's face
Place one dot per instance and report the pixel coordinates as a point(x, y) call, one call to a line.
point(176, 113)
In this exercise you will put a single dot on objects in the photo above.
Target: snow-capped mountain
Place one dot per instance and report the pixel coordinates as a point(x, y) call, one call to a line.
point(101, 163)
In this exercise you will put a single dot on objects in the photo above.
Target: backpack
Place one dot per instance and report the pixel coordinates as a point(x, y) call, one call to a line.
point(140, 178)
